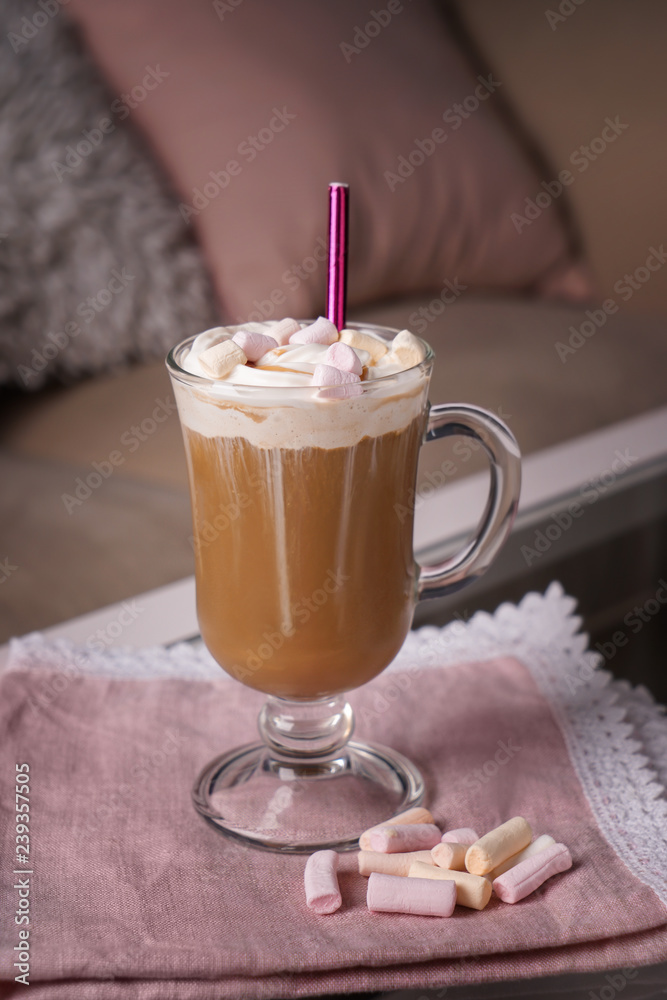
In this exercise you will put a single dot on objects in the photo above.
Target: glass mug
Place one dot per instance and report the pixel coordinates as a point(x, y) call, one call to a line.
point(303, 510)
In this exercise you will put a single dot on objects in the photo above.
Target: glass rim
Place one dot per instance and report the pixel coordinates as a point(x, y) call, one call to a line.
point(201, 381)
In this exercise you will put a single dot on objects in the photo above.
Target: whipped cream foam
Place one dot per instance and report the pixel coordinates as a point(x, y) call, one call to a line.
point(292, 365)
point(273, 403)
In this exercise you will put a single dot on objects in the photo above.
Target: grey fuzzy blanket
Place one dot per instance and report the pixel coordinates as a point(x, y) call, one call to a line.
point(97, 268)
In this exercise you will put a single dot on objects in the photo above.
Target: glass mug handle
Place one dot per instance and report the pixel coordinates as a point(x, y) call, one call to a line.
point(448, 420)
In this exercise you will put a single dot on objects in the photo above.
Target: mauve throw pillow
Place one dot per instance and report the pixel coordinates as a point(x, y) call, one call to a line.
point(254, 107)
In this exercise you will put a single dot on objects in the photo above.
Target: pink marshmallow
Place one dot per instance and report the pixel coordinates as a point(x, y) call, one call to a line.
point(524, 878)
point(322, 331)
point(422, 896)
point(344, 358)
point(254, 345)
point(327, 375)
point(283, 330)
point(464, 835)
point(399, 838)
point(321, 882)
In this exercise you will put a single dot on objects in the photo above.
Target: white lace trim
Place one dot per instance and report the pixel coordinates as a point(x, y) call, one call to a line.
point(187, 660)
point(616, 735)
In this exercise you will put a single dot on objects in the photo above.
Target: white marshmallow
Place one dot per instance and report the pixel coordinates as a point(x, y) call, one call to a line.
point(406, 349)
point(391, 864)
point(448, 854)
point(283, 330)
point(398, 838)
point(498, 845)
point(471, 890)
point(373, 346)
point(218, 361)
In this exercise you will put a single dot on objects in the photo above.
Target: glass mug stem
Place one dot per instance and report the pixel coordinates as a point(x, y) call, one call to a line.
point(309, 729)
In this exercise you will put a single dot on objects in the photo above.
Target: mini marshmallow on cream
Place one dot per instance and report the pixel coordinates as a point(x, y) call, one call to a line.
point(294, 363)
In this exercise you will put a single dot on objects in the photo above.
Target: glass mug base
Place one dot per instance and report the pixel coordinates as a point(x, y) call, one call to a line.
point(306, 786)
point(296, 807)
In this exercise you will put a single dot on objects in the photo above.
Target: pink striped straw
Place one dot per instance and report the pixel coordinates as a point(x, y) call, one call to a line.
point(338, 241)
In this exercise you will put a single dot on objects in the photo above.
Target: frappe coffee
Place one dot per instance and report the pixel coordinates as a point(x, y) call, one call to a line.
point(306, 586)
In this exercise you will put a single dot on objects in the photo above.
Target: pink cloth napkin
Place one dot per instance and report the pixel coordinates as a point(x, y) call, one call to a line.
point(134, 896)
